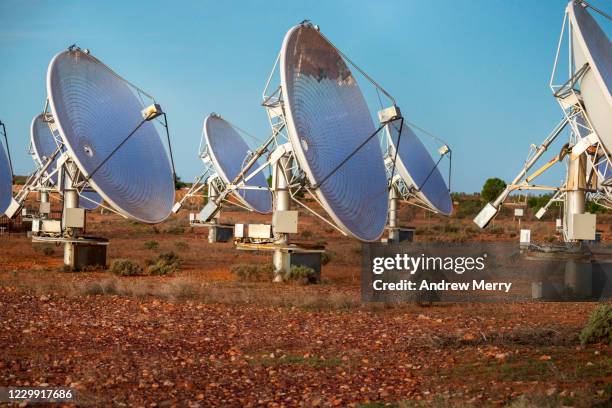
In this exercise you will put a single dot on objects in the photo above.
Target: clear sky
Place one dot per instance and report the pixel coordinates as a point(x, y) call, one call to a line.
point(474, 72)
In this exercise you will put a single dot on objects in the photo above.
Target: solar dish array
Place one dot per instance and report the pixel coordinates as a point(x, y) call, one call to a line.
point(591, 46)
point(229, 152)
point(95, 111)
point(6, 180)
point(416, 167)
point(327, 119)
point(44, 145)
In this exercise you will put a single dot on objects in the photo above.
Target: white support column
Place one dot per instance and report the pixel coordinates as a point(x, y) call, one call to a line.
point(393, 215)
point(43, 207)
point(280, 179)
point(213, 193)
point(575, 200)
point(71, 200)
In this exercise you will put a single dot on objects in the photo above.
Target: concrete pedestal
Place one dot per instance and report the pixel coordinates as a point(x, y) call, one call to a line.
point(84, 255)
point(220, 233)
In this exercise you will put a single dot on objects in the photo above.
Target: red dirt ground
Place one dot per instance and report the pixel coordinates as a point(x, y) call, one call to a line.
point(200, 338)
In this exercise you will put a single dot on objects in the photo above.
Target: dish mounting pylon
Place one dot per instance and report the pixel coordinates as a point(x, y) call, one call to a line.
point(588, 173)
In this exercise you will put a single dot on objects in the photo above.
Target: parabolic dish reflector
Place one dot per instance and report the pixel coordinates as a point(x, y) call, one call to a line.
point(327, 119)
point(6, 180)
point(95, 110)
point(43, 146)
point(229, 152)
point(592, 46)
point(416, 167)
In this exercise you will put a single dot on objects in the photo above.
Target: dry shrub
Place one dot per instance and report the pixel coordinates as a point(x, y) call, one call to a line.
point(105, 287)
point(181, 245)
point(497, 230)
point(599, 327)
point(301, 274)
point(182, 289)
point(125, 267)
point(93, 268)
point(327, 257)
point(176, 230)
point(253, 272)
point(165, 264)
point(151, 245)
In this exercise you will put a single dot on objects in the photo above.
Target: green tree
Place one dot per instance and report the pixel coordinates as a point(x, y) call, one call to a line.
point(539, 201)
point(492, 188)
point(178, 184)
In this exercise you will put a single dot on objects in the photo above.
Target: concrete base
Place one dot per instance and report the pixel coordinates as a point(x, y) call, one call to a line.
point(309, 259)
point(400, 235)
point(86, 255)
point(220, 233)
point(283, 260)
point(577, 284)
point(284, 257)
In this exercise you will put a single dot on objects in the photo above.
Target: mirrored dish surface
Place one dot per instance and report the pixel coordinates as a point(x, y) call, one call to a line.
point(416, 167)
point(95, 110)
point(229, 153)
point(327, 119)
point(43, 147)
point(591, 45)
point(6, 180)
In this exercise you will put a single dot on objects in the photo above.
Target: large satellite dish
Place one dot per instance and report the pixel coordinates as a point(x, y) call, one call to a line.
point(95, 111)
point(416, 167)
point(586, 101)
point(327, 119)
point(44, 146)
point(591, 46)
point(6, 180)
point(229, 152)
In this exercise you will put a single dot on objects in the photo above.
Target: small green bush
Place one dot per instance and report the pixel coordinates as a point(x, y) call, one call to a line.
point(165, 264)
point(253, 272)
point(93, 268)
point(300, 274)
point(151, 245)
point(175, 230)
point(599, 327)
point(451, 228)
point(471, 231)
point(125, 267)
point(497, 230)
point(468, 208)
point(327, 257)
point(182, 245)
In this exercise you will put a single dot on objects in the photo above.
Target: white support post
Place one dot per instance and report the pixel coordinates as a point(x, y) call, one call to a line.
point(575, 198)
point(213, 193)
point(393, 215)
point(280, 179)
point(71, 200)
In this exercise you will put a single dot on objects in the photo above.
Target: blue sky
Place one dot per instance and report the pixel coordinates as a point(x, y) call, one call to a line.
point(474, 72)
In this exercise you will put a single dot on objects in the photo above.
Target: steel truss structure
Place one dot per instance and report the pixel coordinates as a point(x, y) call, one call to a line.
point(71, 183)
point(289, 182)
point(588, 163)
